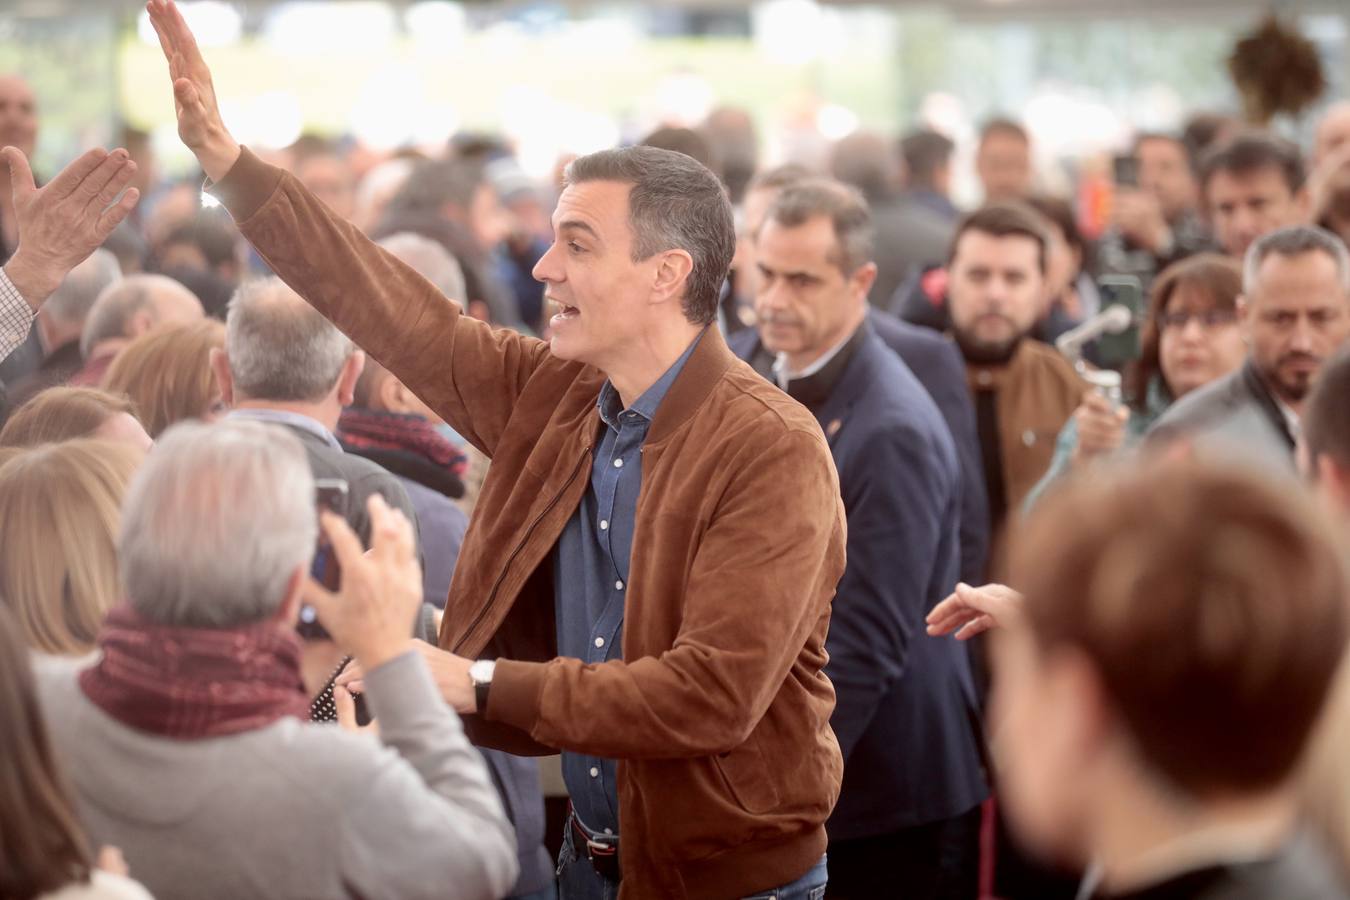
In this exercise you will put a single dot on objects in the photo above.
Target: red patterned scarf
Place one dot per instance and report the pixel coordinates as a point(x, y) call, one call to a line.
point(373, 429)
point(195, 682)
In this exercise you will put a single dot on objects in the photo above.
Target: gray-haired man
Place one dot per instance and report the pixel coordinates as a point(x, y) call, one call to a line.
point(284, 364)
point(183, 739)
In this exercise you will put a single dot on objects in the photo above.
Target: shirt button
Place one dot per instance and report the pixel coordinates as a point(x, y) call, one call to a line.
point(618, 585)
point(604, 524)
point(599, 642)
point(1029, 438)
point(595, 773)
point(618, 463)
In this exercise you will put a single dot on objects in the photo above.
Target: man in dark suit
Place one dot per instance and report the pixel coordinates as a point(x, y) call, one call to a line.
point(930, 357)
point(909, 811)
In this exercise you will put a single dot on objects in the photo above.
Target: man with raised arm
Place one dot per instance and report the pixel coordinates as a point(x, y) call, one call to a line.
point(646, 585)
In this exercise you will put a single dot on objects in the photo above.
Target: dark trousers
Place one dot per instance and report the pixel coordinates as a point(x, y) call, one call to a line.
point(936, 861)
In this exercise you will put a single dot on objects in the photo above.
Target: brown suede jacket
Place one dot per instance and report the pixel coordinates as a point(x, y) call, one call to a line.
point(1038, 390)
point(719, 710)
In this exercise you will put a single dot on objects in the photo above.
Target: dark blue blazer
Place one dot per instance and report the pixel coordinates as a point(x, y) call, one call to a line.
point(906, 714)
point(938, 365)
point(935, 361)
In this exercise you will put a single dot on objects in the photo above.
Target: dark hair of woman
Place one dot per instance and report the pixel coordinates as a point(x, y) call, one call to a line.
point(1217, 278)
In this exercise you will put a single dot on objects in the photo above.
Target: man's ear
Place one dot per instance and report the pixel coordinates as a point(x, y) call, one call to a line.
point(862, 280)
point(671, 277)
point(1079, 688)
point(1244, 317)
point(288, 612)
point(220, 365)
point(351, 373)
point(141, 321)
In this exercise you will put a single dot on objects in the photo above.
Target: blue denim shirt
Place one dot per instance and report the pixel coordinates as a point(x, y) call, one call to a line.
point(591, 574)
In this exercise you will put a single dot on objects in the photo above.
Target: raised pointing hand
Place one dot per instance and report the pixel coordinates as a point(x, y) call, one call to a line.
point(200, 125)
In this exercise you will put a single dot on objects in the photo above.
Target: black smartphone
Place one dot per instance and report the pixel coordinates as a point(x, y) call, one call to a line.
point(1114, 351)
point(1125, 170)
point(329, 494)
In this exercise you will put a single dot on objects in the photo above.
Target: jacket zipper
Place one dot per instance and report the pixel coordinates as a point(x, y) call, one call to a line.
point(501, 576)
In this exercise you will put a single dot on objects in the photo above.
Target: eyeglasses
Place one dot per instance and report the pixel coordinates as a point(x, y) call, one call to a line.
point(1209, 319)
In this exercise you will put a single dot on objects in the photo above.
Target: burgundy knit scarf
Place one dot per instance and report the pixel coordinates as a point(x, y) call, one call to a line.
point(368, 428)
point(194, 682)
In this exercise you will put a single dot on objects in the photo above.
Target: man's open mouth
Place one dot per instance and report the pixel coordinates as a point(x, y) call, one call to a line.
point(564, 311)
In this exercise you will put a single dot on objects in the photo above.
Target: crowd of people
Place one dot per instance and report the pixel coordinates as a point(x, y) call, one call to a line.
point(843, 543)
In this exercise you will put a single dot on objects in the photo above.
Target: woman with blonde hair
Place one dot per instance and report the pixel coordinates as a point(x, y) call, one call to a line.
point(59, 511)
point(167, 374)
point(65, 413)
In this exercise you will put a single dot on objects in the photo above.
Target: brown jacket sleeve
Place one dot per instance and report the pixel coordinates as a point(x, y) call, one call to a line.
point(467, 372)
point(759, 589)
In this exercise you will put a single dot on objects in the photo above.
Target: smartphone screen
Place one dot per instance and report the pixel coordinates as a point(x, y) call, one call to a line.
point(329, 494)
point(1114, 351)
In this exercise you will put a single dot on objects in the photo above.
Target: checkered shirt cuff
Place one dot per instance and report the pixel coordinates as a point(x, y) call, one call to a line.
point(16, 316)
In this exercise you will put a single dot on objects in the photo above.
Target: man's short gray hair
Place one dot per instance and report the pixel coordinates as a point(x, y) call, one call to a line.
point(842, 204)
point(675, 203)
point(1295, 241)
point(215, 523)
point(279, 347)
point(74, 298)
point(119, 302)
point(430, 260)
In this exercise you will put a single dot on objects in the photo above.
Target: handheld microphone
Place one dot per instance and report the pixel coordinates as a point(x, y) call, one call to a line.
point(1112, 320)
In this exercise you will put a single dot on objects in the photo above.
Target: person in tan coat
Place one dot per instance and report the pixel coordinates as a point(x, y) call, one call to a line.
point(647, 579)
point(1024, 391)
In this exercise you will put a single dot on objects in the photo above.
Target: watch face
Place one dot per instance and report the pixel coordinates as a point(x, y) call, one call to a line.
point(481, 671)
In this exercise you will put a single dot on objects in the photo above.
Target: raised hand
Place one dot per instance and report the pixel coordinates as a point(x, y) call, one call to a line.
point(61, 223)
point(200, 125)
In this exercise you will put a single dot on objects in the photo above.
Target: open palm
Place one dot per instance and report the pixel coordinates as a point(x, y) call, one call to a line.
point(200, 125)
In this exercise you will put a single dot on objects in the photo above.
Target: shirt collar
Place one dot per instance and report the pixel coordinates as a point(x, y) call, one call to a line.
point(813, 385)
point(611, 405)
point(286, 417)
point(1291, 419)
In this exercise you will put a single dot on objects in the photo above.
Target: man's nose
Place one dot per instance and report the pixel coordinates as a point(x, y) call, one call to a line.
point(1245, 223)
point(771, 295)
point(1301, 338)
point(547, 269)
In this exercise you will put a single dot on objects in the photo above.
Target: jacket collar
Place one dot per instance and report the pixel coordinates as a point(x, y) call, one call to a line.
point(815, 390)
point(709, 361)
point(1260, 391)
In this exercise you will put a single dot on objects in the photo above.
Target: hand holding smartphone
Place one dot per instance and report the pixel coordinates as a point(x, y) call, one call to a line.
point(330, 494)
